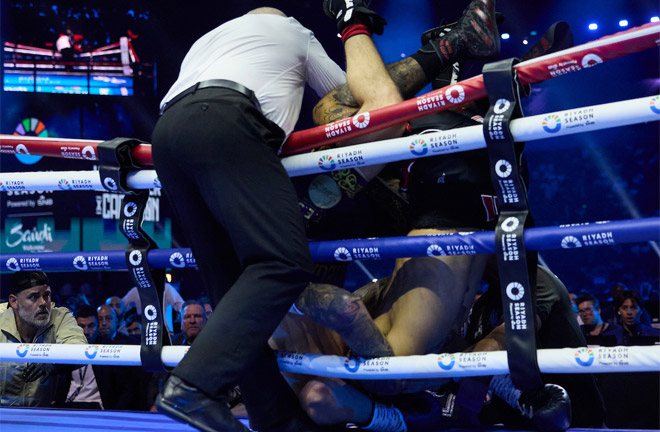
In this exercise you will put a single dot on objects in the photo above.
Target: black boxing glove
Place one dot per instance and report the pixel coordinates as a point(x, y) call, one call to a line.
point(349, 12)
point(549, 408)
point(38, 371)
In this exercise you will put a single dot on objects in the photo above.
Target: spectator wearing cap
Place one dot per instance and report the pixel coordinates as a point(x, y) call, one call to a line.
point(29, 317)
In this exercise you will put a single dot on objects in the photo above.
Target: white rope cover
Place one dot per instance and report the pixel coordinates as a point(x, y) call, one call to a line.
point(559, 123)
point(444, 365)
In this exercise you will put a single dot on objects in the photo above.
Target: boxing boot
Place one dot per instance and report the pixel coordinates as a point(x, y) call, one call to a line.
point(349, 12)
point(475, 34)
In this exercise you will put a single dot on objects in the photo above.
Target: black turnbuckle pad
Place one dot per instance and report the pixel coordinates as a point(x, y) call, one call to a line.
point(116, 161)
point(517, 279)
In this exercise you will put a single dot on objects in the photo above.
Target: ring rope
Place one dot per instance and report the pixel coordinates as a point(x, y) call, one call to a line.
point(442, 365)
point(540, 238)
point(590, 118)
point(532, 71)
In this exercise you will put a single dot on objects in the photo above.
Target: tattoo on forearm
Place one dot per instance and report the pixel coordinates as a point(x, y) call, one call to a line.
point(408, 77)
point(336, 105)
point(345, 313)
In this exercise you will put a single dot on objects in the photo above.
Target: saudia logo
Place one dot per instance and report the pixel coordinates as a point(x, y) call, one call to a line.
point(22, 350)
point(419, 147)
point(91, 351)
point(551, 123)
point(352, 364)
point(327, 163)
point(584, 356)
point(446, 361)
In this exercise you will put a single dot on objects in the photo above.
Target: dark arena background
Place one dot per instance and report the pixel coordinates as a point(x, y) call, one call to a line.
point(127, 54)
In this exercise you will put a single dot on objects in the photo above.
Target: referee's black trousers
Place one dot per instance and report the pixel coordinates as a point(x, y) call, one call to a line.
point(214, 154)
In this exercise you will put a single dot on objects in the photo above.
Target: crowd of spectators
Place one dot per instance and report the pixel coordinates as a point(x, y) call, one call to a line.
point(626, 318)
point(97, 322)
point(623, 319)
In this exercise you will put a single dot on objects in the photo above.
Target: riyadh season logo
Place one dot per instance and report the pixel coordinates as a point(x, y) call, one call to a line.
point(88, 153)
point(654, 104)
point(80, 263)
point(503, 168)
point(551, 123)
point(177, 260)
point(12, 264)
point(361, 120)
point(419, 147)
point(21, 149)
point(91, 351)
point(130, 209)
point(352, 364)
point(501, 106)
point(510, 224)
point(455, 94)
point(22, 350)
point(110, 184)
point(327, 163)
point(63, 184)
point(570, 242)
point(584, 356)
point(446, 361)
point(150, 312)
point(591, 60)
point(157, 183)
point(2, 187)
point(135, 257)
point(515, 291)
point(342, 254)
point(434, 251)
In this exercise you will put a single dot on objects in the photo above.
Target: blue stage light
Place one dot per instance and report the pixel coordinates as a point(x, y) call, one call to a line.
point(506, 35)
point(623, 23)
point(593, 26)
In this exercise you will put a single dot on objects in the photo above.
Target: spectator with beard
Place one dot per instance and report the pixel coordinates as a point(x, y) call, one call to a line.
point(29, 317)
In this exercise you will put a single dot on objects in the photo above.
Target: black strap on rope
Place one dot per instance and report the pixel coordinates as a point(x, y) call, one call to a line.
point(503, 88)
point(116, 161)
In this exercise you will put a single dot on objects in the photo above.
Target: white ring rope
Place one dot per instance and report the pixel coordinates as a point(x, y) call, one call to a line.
point(443, 365)
point(531, 128)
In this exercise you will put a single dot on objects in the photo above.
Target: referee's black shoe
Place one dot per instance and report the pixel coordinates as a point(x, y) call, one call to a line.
point(186, 404)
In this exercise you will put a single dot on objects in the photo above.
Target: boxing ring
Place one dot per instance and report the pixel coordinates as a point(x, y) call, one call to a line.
point(621, 359)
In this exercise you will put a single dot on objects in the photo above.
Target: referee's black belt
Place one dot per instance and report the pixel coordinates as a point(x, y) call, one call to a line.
point(214, 83)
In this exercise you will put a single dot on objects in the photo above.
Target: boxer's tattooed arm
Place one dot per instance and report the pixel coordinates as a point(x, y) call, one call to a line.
point(336, 105)
point(408, 77)
point(346, 314)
